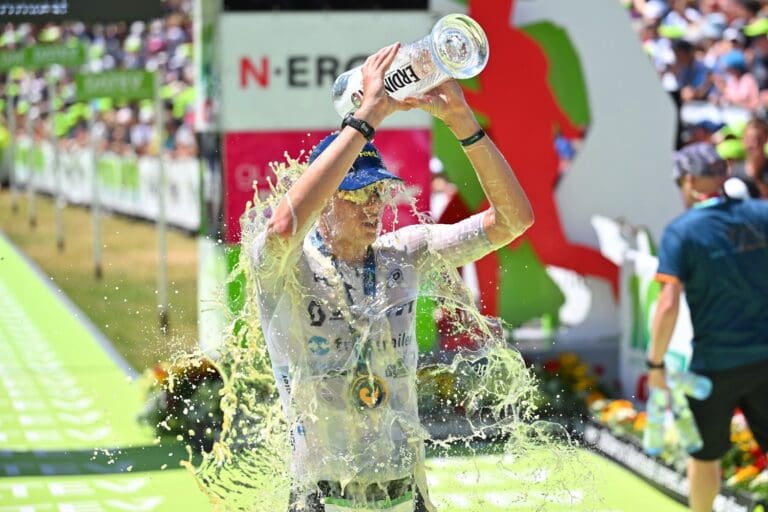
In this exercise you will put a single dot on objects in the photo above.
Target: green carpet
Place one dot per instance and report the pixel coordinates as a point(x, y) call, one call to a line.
point(162, 491)
point(59, 389)
point(540, 482)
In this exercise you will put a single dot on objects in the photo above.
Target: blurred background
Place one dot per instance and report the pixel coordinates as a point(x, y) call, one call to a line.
point(132, 138)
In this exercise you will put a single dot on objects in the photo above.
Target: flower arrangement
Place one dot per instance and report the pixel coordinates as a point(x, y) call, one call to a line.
point(568, 387)
point(744, 466)
point(183, 402)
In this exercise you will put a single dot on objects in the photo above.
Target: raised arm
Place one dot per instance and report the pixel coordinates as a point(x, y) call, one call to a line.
point(308, 196)
point(510, 213)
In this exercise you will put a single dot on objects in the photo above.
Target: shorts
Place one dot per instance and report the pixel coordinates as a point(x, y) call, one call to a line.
point(313, 501)
point(743, 387)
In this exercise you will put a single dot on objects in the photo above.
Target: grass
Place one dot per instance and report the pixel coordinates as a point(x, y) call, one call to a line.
point(122, 304)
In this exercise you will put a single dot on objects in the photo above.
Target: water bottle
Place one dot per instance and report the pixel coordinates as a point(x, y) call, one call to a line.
point(455, 48)
point(653, 435)
point(690, 439)
point(691, 384)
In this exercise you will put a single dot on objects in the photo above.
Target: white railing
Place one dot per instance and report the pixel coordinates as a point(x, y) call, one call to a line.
point(127, 184)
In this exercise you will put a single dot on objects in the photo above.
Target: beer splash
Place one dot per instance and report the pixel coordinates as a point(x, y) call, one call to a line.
point(479, 401)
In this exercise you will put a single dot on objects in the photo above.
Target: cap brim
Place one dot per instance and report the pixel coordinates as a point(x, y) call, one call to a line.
point(359, 178)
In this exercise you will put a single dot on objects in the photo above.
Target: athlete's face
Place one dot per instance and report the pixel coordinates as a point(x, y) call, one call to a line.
point(355, 216)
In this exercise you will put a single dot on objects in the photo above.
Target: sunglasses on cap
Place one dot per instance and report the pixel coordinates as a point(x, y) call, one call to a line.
point(374, 191)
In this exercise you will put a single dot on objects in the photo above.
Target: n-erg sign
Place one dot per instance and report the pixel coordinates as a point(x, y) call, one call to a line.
point(278, 68)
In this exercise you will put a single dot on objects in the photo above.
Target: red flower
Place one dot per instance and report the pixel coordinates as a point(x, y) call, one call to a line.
point(551, 366)
point(760, 461)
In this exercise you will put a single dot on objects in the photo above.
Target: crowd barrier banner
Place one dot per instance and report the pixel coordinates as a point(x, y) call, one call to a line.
point(129, 185)
point(629, 454)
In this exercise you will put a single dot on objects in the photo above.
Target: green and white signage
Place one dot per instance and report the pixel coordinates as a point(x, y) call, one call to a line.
point(129, 85)
point(12, 59)
point(43, 56)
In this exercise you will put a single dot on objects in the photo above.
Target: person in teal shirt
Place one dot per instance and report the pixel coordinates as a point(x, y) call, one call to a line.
point(717, 252)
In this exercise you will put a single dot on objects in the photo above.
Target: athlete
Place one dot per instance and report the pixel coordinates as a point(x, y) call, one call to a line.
point(337, 301)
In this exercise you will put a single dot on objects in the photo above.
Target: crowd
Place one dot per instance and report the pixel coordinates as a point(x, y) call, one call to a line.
point(121, 127)
point(712, 56)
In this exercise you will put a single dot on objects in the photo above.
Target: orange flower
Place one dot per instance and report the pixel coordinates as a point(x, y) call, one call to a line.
point(617, 409)
point(743, 475)
point(594, 397)
point(160, 372)
point(621, 404)
point(640, 421)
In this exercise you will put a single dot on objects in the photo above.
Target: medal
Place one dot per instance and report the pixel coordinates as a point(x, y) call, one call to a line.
point(368, 392)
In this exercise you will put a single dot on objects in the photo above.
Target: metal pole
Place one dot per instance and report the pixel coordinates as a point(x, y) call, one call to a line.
point(162, 287)
point(95, 206)
point(11, 116)
point(58, 198)
point(30, 160)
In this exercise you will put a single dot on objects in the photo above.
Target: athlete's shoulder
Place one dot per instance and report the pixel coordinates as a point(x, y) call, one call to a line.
point(757, 207)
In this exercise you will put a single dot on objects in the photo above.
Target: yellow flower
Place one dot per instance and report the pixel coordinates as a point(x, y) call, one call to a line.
point(568, 359)
point(584, 383)
point(580, 370)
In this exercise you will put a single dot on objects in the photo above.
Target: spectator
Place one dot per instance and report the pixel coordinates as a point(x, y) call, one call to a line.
point(758, 53)
point(755, 167)
point(716, 252)
point(693, 77)
point(162, 45)
point(713, 51)
point(739, 86)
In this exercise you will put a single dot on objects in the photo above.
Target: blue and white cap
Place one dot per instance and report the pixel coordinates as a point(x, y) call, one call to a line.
point(367, 169)
point(700, 159)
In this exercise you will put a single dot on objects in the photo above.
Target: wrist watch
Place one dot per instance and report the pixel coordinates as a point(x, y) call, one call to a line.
point(654, 366)
point(361, 126)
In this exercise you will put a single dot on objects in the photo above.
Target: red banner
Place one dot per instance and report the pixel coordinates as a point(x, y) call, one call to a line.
point(247, 156)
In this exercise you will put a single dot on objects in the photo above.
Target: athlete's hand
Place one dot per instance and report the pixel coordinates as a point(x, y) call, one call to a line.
point(377, 104)
point(447, 103)
point(657, 379)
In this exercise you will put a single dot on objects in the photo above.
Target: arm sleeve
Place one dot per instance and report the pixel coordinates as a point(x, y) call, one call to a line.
point(457, 244)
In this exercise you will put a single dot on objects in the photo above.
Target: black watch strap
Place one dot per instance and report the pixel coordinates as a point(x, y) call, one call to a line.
point(654, 366)
point(358, 124)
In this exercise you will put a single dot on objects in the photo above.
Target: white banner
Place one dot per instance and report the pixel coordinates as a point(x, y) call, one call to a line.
point(633, 250)
point(277, 69)
point(127, 184)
